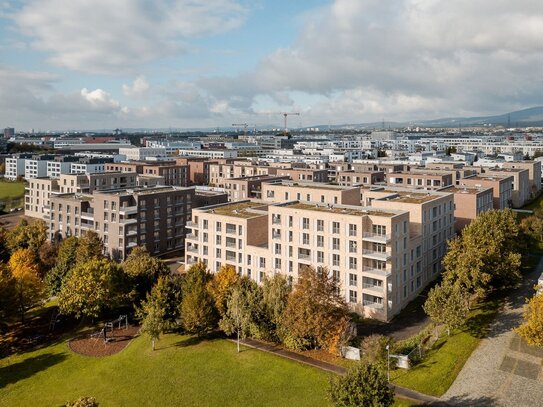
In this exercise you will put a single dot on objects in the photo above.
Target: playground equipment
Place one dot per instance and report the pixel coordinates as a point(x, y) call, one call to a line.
point(55, 319)
point(110, 325)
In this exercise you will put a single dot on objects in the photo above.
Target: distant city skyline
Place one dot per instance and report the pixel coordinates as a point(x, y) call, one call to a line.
point(186, 64)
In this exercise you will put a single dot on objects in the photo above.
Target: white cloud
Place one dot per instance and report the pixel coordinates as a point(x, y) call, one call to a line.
point(362, 59)
point(101, 36)
point(139, 87)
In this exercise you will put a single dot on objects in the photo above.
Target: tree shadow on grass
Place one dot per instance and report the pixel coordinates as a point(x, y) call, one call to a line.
point(196, 340)
point(467, 401)
point(27, 368)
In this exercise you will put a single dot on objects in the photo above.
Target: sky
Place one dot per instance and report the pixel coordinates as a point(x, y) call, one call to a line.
point(104, 64)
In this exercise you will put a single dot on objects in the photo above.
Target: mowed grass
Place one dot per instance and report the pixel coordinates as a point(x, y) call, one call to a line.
point(11, 189)
point(442, 364)
point(181, 372)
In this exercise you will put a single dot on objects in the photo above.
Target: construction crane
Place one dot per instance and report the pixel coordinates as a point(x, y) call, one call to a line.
point(244, 125)
point(285, 115)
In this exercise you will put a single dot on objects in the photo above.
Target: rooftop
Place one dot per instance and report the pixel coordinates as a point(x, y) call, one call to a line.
point(342, 209)
point(245, 209)
point(309, 185)
point(466, 190)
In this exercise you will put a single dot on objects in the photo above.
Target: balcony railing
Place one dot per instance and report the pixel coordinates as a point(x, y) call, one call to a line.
point(192, 236)
point(376, 237)
point(373, 287)
point(374, 254)
point(304, 256)
point(127, 210)
point(379, 272)
point(375, 305)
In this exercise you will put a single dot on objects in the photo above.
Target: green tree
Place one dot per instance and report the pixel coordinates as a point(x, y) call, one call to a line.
point(275, 292)
point(362, 386)
point(198, 313)
point(315, 311)
point(64, 263)
point(374, 349)
point(92, 288)
point(487, 254)
point(29, 287)
point(90, 247)
point(532, 327)
point(17, 237)
point(243, 314)
point(8, 297)
point(4, 249)
point(448, 304)
point(152, 316)
point(143, 270)
point(221, 284)
point(532, 228)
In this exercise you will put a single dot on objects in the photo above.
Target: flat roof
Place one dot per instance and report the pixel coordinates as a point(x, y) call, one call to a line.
point(312, 185)
point(73, 197)
point(344, 209)
point(467, 190)
point(244, 209)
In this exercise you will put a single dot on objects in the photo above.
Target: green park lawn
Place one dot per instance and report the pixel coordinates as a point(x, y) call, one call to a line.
point(442, 364)
point(11, 189)
point(182, 371)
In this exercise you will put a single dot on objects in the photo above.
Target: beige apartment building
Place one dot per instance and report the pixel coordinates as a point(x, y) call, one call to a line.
point(469, 202)
point(352, 178)
point(304, 174)
point(247, 187)
point(153, 218)
point(38, 193)
point(284, 191)
point(424, 180)
point(502, 188)
point(534, 173)
point(223, 170)
point(173, 173)
point(520, 187)
point(383, 255)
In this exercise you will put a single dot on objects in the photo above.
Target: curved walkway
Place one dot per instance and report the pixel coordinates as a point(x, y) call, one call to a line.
point(503, 370)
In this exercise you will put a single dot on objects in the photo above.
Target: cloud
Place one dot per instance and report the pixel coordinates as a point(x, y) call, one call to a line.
point(103, 37)
point(362, 59)
point(139, 87)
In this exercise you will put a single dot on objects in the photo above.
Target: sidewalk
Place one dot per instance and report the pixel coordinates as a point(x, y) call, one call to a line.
point(276, 350)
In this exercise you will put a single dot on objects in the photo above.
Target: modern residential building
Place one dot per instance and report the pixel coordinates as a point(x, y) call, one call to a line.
point(426, 180)
point(352, 178)
point(142, 153)
point(469, 202)
point(502, 188)
point(326, 194)
point(248, 187)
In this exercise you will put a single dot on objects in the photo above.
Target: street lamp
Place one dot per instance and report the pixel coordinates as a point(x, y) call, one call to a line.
point(388, 363)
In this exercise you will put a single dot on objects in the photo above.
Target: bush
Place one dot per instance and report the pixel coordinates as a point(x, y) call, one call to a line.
point(83, 402)
point(374, 350)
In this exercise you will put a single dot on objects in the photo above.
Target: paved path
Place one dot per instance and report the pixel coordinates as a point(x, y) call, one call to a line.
point(276, 350)
point(503, 370)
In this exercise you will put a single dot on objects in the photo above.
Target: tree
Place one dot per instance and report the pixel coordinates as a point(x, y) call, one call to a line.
point(152, 316)
point(47, 255)
point(243, 313)
point(532, 327)
point(26, 235)
point(90, 247)
point(198, 313)
point(314, 311)
point(448, 304)
point(29, 288)
point(92, 288)
point(8, 294)
point(64, 263)
point(532, 228)
point(220, 286)
point(144, 270)
point(17, 238)
point(374, 348)
point(275, 292)
point(362, 386)
point(487, 254)
point(4, 250)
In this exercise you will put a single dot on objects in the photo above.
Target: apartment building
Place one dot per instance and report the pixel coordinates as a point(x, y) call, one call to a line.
point(173, 173)
point(326, 194)
point(304, 174)
point(469, 202)
point(247, 187)
point(424, 180)
point(142, 153)
point(15, 166)
point(383, 255)
point(38, 193)
point(352, 178)
point(198, 169)
point(211, 154)
point(502, 188)
point(153, 218)
point(534, 173)
point(520, 185)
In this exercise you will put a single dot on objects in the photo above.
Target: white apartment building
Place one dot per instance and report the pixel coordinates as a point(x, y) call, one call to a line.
point(142, 153)
point(213, 154)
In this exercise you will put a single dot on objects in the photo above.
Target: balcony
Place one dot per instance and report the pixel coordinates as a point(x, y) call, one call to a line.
point(128, 210)
point(276, 221)
point(231, 231)
point(304, 256)
point(376, 238)
point(192, 249)
point(131, 244)
point(374, 305)
point(373, 288)
point(128, 221)
point(191, 225)
point(376, 272)
point(276, 235)
point(190, 261)
point(376, 255)
point(131, 232)
point(87, 215)
point(192, 236)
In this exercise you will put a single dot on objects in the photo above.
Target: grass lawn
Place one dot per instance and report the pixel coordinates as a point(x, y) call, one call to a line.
point(182, 371)
point(11, 190)
point(443, 363)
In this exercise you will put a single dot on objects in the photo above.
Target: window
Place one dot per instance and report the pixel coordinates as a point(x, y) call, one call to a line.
point(336, 275)
point(335, 227)
point(320, 225)
point(277, 248)
point(218, 227)
point(352, 230)
point(353, 297)
point(262, 262)
point(352, 246)
point(335, 244)
point(277, 263)
point(320, 241)
point(335, 260)
point(290, 221)
point(218, 240)
point(320, 257)
point(353, 279)
point(352, 263)
point(305, 223)
point(218, 253)
point(305, 238)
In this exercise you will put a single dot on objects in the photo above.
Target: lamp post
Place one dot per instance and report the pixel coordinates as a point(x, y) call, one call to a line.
point(388, 363)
